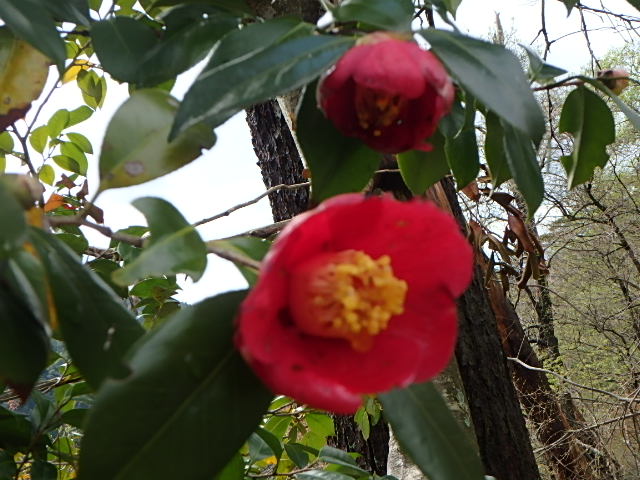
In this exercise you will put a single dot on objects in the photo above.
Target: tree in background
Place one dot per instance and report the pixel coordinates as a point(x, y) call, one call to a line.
point(109, 376)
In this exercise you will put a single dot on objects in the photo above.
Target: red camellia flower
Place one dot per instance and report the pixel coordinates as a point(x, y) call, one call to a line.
point(356, 297)
point(387, 92)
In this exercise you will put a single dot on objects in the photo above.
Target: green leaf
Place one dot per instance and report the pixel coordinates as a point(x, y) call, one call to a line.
point(47, 174)
point(234, 6)
point(297, 454)
point(572, 3)
point(38, 138)
point(58, 122)
point(127, 159)
point(264, 444)
point(6, 142)
point(338, 164)
point(384, 14)
point(630, 113)
point(74, 11)
point(79, 115)
point(523, 164)
point(105, 268)
point(187, 382)
point(68, 164)
point(234, 469)
point(31, 21)
point(427, 432)
point(42, 470)
point(70, 150)
point(493, 75)
point(252, 247)
point(322, 475)
point(280, 55)
point(175, 246)
point(588, 118)
point(494, 150)
point(421, 169)
point(24, 345)
point(120, 44)
point(450, 6)
point(77, 243)
point(14, 225)
point(8, 467)
point(95, 325)
point(345, 461)
point(539, 70)
point(15, 430)
point(26, 277)
point(80, 141)
point(362, 420)
point(462, 156)
point(75, 417)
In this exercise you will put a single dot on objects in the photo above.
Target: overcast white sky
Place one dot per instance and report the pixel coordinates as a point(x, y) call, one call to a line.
point(227, 174)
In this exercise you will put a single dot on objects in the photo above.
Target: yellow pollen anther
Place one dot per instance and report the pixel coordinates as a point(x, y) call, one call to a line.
point(347, 295)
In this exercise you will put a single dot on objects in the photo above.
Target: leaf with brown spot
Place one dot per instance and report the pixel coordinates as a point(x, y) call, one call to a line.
point(23, 73)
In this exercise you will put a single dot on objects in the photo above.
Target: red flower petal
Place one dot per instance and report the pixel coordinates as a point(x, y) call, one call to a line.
point(426, 250)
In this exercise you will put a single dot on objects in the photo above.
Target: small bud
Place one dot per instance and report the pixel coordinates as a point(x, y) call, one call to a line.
point(616, 80)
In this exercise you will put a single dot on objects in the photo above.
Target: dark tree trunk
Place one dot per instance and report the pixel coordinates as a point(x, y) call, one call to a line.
point(278, 159)
point(502, 436)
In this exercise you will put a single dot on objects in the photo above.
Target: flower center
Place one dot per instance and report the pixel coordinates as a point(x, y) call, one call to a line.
point(346, 295)
point(377, 109)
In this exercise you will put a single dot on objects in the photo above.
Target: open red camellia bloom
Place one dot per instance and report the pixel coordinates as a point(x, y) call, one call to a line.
point(356, 297)
point(387, 92)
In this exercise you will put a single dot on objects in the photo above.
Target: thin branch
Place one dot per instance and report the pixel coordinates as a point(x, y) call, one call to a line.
point(229, 211)
point(571, 382)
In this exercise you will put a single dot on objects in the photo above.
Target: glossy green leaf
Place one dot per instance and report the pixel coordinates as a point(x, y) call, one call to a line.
point(95, 325)
point(77, 243)
point(24, 345)
point(127, 159)
point(121, 43)
point(427, 432)
point(15, 430)
point(187, 382)
point(8, 467)
point(421, 169)
point(494, 151)
point(524, 167)
point(264, 444)
point(43, 470)
point(105, 268)
point(252, 247)
point(539, 70)
point(590, 121)
point(72, 151)
point(31, 21)
point(338, 164)
point(75, 417)
point(384, 14)
point(38, 138)
point(12, 219)
point(280, 54)
point(493, 75)
point(69, 164)
point(175, 246)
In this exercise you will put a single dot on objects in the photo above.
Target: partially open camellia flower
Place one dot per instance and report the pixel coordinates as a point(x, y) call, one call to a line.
point(356, 297)
point(387, 92)
point(615, 79)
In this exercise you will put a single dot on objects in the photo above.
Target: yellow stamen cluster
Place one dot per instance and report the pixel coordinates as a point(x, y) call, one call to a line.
point(352, 296)
point(377, 109)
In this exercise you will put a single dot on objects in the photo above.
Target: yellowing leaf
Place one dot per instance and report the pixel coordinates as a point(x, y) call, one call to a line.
point(72, 72)
point(54, 202)
point(23, 73)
